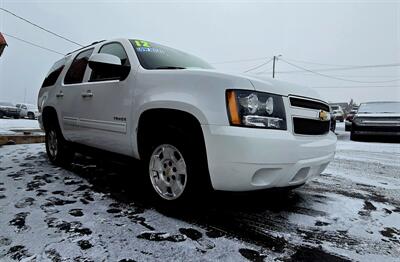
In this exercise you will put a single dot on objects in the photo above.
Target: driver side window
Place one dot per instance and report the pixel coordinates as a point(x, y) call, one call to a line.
point(113, 49)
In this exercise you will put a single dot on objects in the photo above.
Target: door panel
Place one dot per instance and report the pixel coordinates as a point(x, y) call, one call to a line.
point(69, 94)
point(103, 118)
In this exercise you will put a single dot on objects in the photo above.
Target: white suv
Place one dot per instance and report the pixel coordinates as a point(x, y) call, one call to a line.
point(194, 126)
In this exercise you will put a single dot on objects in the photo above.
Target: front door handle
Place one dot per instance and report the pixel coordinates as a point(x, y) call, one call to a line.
point(87, 94)
point(60, 94)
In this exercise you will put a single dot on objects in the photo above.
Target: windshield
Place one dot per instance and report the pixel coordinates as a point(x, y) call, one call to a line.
point(155, 56)
point(335, 107)
point(387, 107)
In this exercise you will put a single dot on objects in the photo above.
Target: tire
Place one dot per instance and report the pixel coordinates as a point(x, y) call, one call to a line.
point(177, 168)
point(1, 114)
point(31, 115)
point(347, 128)
point(57, 149)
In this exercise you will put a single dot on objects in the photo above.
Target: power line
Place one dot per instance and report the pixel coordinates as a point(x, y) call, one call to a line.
point(40, 27)
point(334, 87)
point(315, 63)
point(337, 78)
point(33, 44)
point(240, 60)
point(343, 68)
point(258, 66)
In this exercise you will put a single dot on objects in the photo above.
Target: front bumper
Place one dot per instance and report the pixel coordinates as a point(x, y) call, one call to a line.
point(244, 159)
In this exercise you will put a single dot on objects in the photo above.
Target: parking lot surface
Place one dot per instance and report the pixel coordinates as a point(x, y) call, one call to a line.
point(99, 211)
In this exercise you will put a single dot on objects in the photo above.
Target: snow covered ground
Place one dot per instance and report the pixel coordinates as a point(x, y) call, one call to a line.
point(98, 210)
point(8, 124)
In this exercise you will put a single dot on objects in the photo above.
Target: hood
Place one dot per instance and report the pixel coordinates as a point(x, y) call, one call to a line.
point(261, 83)
point(270, 85)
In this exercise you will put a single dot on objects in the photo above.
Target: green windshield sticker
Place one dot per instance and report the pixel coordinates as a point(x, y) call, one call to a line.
point(141, 43)
point(150, 49)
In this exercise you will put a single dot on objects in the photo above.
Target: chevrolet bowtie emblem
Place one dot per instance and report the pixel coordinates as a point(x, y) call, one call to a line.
point(323, 115)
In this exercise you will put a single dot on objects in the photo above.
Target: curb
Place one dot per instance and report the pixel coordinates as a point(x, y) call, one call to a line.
point(21, 139)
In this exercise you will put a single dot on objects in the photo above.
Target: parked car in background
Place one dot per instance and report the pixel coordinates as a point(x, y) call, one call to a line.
point(377, 119)
point(338, 112)
point(9, 110)
point(28, 110)
point(349, 119)
point(196, 128)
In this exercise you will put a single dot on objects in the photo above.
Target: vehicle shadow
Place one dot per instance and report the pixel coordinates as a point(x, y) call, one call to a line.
point(248, 216)
point(127, 182)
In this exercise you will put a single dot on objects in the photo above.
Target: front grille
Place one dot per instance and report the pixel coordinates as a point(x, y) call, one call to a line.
point(304, 126)
point(305, 103)
point(377, 128)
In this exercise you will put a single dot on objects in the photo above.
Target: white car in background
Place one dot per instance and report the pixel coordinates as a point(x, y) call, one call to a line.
point(28, 110)
point(338, 112)
point(195, 127)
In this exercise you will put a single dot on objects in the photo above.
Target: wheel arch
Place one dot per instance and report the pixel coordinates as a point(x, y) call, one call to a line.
point(49, 114)
point(177, 118)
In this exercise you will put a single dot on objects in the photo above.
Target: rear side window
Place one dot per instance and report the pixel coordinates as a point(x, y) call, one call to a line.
point(77, 69)
point(113, 49)
point(54, 73)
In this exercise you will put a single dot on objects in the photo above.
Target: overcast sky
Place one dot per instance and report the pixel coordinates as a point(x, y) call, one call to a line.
point(325, 32)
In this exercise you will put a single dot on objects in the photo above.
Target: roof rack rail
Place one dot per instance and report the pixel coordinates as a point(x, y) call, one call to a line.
point(96, 42)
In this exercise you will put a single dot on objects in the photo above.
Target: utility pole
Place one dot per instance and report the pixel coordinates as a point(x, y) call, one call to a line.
point(273, 65)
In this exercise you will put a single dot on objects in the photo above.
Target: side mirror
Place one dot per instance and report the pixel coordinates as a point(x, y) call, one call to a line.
point(107, 67)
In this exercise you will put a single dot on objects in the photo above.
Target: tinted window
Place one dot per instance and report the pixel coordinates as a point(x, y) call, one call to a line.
point(155, 56)
point(77, 69)
point(113, 49)
point(54, 73)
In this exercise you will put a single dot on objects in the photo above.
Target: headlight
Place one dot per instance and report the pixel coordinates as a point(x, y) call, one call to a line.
point(255, 109)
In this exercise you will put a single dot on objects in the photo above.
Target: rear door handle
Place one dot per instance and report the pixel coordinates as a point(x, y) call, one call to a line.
point(60, 94)
point(86, 94)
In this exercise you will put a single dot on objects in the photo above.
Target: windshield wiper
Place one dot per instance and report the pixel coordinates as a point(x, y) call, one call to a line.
point(170, 67)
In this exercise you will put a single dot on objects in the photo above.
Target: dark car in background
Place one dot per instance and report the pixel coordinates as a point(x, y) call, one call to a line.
point(376, 119)
point(349, 119)
point(9, 110)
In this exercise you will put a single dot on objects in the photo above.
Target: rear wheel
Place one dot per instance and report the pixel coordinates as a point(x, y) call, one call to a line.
point(57, 148)
point(1, 114)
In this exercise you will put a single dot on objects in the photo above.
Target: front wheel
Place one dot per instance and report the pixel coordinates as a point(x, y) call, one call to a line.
point(57, 149)
point(31, 115)
point(177, 167)
point(168, 172)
